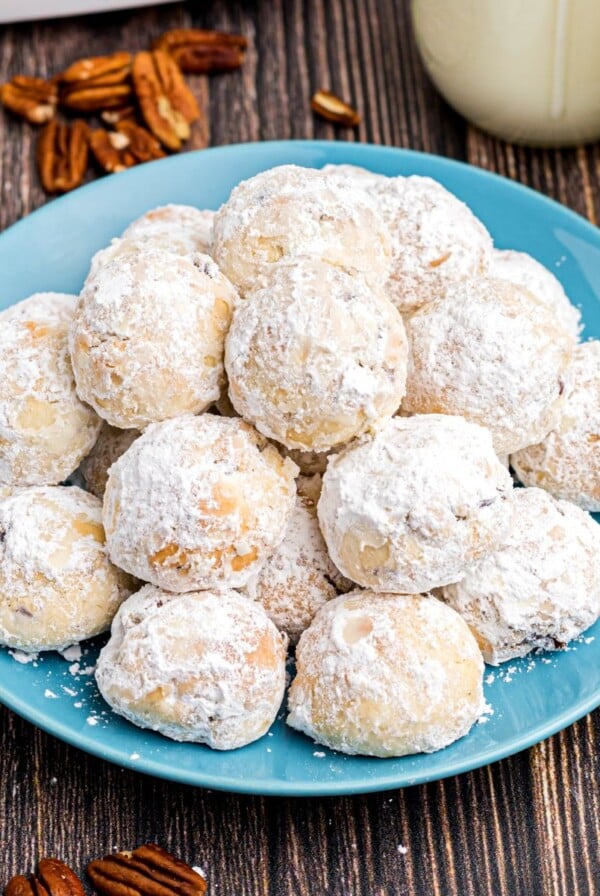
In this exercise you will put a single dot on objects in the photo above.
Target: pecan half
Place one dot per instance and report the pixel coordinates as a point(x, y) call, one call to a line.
point(98, 82)
point(166, 102)
point(53, 878)
point(129, 145)
point(331, 107)
point(147, 871)
point(32, 98)
point(62, 154)
point(201, 52)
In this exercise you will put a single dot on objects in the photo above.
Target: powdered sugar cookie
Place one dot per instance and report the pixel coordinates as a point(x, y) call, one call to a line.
point(411, 508)
point(541, 588)
point(567, 462)
point(299, 577)
point(178, 228)
point(289, 212)
point(45, 429)
point(57, 585)
point(110, 445)
point(207, 667)
point(386, 675)
point(316, 358)
point(488, 350)
point(522, 269)
point(148, 334)
point(435, 237)
point(197, 502)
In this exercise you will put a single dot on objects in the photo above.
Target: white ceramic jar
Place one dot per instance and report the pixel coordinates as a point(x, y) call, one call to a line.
point(525, 70)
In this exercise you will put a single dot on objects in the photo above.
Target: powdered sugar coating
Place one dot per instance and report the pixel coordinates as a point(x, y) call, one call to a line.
point(567, 462)
point(316, 358)
point(206, 667)
point(488, 350)
point(288, 212)
point(299, 577)
point(435, 237)
point(110, 445)
point(522, 269)
point(541, 588)
point(411, 508)
point(197, 502)
point(148, 335)
point(45, 429)
point(57, 585)
point(182, 229)
point(386, 675)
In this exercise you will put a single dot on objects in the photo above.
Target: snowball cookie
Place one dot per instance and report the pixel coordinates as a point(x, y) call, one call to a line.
point(45, 429)
point(435, 237)
point(409, 509)
point(316, 358)
point(541, 588)
point(148, 334)
point(522, 269)
point(386, 675)
point(299, 577)
point(207, 667)
point(288, 212)
point(179, 228)
point(57, 585)
point(567, 462)
point(489, 351)
point(197, 502)
point(110, 445)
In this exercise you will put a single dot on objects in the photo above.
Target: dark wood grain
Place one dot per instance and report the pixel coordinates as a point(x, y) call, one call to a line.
point(528, 826)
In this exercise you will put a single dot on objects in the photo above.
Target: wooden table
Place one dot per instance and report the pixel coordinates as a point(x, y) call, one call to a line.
point(527, 826)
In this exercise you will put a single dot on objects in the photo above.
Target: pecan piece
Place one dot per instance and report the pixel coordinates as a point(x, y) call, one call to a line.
point(32, 98)
point(53, 878)
point(201, 52)
point(114, 116)
point(129, 145)
point(166, 102)
point(331, 107)
point(98, 82)
point(147, 871)
point(62, 155)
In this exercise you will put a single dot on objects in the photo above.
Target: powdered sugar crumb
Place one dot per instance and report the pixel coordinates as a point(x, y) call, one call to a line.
point(50, 695)
point(319, 755)
point(92, 720)
point(21, 657)
point(72, 653)
point(402, 849)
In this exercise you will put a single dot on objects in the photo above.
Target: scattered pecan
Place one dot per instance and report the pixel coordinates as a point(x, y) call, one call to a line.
point(331, 107)
point(32, 98)
point(129, 145)
point(62, 155)
point(147, 871)
point(203, 52)
point(166, 102)
point(97, 83)
point(53, 878)
point(113, 116)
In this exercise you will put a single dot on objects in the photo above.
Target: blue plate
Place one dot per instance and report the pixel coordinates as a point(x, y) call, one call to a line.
point(531, 698)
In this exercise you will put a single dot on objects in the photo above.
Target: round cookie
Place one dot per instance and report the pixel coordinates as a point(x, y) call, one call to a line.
point(522, 269)
point(488, 350)
point(182, 229)
point(541, 588)
point(435, 237)
point(197, 502)
point(57, 585)
point(299, 577)
point(288, 212)
point(567, 462)
point(148, 335)
point(413, 507)
point(386, 675)
point(316, 358)
point(110, 445)
point(45, 429)
point(206, 667)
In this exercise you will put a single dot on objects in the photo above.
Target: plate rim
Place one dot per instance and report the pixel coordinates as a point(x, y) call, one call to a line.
point(279, 787)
